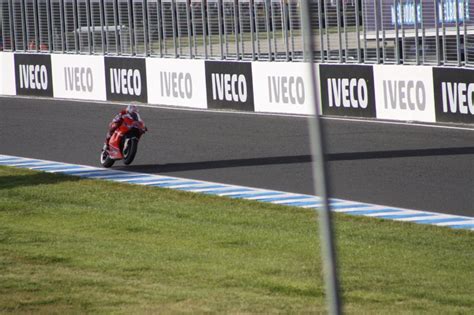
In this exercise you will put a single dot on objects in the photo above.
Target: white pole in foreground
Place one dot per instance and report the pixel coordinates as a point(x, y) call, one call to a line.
point(319, 171)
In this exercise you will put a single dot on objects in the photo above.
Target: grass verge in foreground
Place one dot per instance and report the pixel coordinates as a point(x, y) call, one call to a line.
point(76, 245)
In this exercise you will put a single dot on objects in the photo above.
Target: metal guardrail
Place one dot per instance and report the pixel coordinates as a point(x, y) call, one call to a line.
point(433, 32)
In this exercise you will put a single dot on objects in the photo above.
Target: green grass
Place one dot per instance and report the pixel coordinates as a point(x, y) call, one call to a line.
point(81, 246)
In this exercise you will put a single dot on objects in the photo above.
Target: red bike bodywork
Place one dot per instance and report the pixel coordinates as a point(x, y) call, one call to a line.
point(116, 141)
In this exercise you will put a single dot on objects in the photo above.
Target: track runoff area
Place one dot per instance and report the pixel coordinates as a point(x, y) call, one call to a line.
point(389, 168)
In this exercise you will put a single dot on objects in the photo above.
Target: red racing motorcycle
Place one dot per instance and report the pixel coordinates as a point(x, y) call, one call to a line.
point(123, 144)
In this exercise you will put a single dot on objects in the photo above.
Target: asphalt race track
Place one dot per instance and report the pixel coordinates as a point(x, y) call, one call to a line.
point(415, 167)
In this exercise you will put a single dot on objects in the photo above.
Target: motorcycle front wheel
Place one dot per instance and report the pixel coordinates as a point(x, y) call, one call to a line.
point(130, 150)
point(105, 159)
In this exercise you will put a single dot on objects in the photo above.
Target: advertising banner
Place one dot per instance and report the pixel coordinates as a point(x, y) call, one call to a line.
point(33, 75)
point(404, 93)
point(454, 94)
point(78, 77)
point(125, 79)
point(7, 74)
point(229, 85)
point(178, 82)
point(410, 12)
point(347, 90)
point(282, 88)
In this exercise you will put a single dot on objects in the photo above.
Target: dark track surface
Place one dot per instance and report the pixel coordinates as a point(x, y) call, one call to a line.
point(397, 165)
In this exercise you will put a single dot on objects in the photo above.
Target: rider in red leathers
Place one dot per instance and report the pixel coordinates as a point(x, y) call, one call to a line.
point(131, 110)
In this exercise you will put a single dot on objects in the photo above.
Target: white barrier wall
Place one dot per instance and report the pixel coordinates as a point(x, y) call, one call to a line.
point(390, 92)
point(79, 77)
point(7, 74)
point(404, 93)
point(282, 88)
point(178, 82)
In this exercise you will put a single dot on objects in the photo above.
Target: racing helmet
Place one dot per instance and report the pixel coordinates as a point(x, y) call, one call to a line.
point(132, 109)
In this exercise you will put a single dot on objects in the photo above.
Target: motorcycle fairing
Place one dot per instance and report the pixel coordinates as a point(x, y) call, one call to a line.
point(114, 146)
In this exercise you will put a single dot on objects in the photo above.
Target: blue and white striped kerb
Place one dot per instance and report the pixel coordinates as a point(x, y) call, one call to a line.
point(240, 192)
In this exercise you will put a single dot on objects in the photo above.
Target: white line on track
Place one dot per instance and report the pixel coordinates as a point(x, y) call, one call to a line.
point(312, 200)
point(431, 217)
point(465, 222)
point(358, 208)
point(384, 213)
point(209, 188)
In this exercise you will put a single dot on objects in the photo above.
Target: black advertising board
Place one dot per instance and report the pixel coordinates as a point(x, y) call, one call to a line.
point(33, 75)
point(229, 85)
point(454, 94)
point(347, 90)
point(125, 79)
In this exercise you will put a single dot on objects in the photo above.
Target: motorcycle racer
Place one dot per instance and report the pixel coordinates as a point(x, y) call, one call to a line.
point(125, 132)
point(131, 111)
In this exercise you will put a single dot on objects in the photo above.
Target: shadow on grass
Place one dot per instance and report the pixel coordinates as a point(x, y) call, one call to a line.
point(34, 179)
point(297, 159)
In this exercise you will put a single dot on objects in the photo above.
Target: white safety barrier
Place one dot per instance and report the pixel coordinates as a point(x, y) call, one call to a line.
point(404, 93)
point(79, 77)
point(176, 82)
point(282, 88)
point(7, 74)
point(389, 92)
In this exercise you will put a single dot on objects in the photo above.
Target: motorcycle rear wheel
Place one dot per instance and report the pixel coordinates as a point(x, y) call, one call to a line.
point(105, 159)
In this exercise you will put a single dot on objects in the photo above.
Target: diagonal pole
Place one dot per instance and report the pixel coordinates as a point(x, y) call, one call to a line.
point(316, 134)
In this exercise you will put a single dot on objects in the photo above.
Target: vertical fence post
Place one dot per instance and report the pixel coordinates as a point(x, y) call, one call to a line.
point(385, 54)
point(402, 25)
point(458, 39)
point(465, 36)
point(436, 11)
point(327, 25)
point(321, 27)
point(252, 29)
point(12, 25)
point(284, 17)
point(273, 28)
point(396, 4)
point(359, 55)
point(417, 44)
point(204, 28)
point(102, 27)
point(320, 173)
point(424, 44)
point(131, 36)
point(377, 35)
point(36, 24)
point(267, 21)
point(364, 17)
point(189, 31)
point(220, 20)
point(345, 23)
point(443, 26)
point(63, 28)
point(2, 36)
point(175, 31)
point(339, 30)
point(50, 30)
point(76, 26)
point(89, 33)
